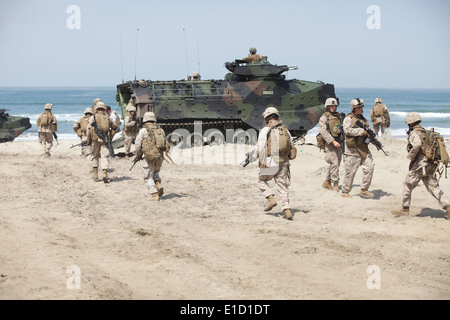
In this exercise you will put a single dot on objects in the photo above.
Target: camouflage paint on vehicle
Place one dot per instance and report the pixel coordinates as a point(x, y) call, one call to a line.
point(237, 101)
point(12, 126)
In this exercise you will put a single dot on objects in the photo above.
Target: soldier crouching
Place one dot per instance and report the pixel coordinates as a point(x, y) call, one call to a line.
point(98, 130)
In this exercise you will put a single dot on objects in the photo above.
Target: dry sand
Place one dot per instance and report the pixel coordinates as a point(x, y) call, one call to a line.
point(208, 238)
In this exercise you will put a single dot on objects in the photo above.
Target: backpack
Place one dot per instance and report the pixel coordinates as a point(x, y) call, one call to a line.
point(433, 147)
point(45, 119)
point(154, 143)
point(284, 141)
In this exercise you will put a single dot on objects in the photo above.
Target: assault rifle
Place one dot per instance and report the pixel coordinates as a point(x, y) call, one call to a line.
point(135, 160)
point(56, 137)
point(372, 137)
point(102, 135)
point(247, 158)
point(82, 144)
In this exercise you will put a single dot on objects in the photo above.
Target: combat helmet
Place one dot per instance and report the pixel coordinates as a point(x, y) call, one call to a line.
point(269, 111)
point(97, 100)
point(331, 102)
point(412, 117)
point(252, 50)
point(149, 116)
point(100, 105)
point(48, 106)
point(131, 109)
point(88, 110)
point(357, 102)
point(378, 100)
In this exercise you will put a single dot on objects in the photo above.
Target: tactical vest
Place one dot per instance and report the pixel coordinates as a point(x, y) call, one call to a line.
point(378, 110)
point(102, 121)
point(83, 123)
point(284, 140)
point(359, 141)
point(154, 143)
point(334, 122)
point(132, 129)
point(45, 119)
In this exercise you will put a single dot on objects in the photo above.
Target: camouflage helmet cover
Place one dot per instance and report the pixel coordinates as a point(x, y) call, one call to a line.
point(269, 111)
point(378, 100)
point(252, 50)
point(131, 108)
point(195, 74)
point(100, 105)
point(149, 116)
point(331, 102)
point(97, 100)
point(48, 106)
point(412, 117)
point(357, 102)
point(88, 110)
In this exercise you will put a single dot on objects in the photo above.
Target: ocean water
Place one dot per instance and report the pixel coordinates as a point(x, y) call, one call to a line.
point(69, 105)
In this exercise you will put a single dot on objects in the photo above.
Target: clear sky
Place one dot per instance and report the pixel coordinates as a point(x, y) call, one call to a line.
point(399, 44)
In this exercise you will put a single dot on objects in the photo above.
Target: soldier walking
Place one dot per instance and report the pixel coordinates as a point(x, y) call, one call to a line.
point(80, 127)
point(380, 117)
point(150, 144)
point(130, 129)
point(329, 125)
point(47, 126)
point(357, 151)
point(419, 168)
point(273, 150)
point(98, 129)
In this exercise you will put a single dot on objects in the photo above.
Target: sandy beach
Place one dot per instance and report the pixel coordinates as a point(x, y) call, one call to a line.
point(64, 236)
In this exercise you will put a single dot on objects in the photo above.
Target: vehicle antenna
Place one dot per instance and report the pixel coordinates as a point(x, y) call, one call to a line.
point(121, 57)
point(135, 54)
point(185, 49)
point(198, 57)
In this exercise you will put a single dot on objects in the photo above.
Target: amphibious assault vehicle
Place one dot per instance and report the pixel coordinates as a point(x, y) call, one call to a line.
point(236, 102)
point(12, 126)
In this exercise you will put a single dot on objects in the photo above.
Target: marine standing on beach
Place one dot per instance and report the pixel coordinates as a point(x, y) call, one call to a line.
point(80, 127)
point(273, 152)
point(357, 151)
point(47, 126)
point(98, 129)
point(150, 143)
point(380, 117)
point(329, 126)
point(131, 129)
point(253, 57)
point(419, 168)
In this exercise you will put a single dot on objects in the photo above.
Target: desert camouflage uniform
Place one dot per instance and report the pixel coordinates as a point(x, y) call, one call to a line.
point(333, 155)
point(130, 129)
point(150, 171)
point(99, 147)
point(380, 118)
point(80, 127)
point(45, 133)
point(272, 167)
point(418, 165)
point(252, 58)
point(356, 156)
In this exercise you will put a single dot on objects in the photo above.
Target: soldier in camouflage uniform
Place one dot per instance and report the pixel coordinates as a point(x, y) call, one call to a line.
point(357, 151)
point(47, 125)
point(130, 129)
point(150, 170)
point(380, 117)
point(273, 164)
point(419, 168)
point(329, 125)
point(253, 57)
point(80, 127)
point(99, 147)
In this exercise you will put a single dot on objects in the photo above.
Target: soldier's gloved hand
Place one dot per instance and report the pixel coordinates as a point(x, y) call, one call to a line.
point(139, 155)
point(365, 135)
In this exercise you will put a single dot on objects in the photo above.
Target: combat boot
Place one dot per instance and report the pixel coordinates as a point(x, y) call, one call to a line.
point(105, 176)
point(154, 197)
point(336, 187)
point(95, 170)
point(345, 195)
point(447, 209)
point(404, 211)
point(287, 214)
point(326, 184)
point(271, 204)
point(159, 188)
point(366, 193)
